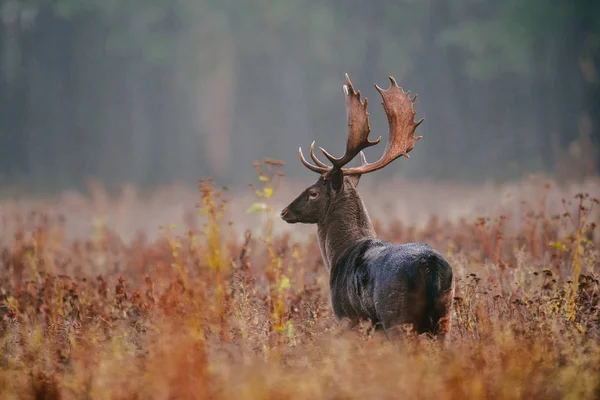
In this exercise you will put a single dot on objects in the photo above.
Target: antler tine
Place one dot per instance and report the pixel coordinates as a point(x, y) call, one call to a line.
point(399, 110)
point(358, 127)
point(363, 159)
point(319, 169)
point(363, 162)
point(314, 157)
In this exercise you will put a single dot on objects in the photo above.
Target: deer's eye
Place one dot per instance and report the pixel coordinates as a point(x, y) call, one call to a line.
point(313, 194)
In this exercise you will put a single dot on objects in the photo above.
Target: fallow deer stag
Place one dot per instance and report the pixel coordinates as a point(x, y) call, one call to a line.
point(371, 279)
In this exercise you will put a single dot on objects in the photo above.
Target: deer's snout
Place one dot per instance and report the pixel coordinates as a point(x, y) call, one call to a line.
point(287, 215)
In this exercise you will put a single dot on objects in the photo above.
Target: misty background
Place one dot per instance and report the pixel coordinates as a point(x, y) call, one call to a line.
point(154, 91)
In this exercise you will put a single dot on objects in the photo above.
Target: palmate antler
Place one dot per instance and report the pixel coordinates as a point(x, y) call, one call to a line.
point(399, 109)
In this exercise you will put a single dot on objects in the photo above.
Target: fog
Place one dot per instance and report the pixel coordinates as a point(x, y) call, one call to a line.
point(151, 93)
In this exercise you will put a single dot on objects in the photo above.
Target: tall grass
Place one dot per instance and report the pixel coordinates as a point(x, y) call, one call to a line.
point(209, 312)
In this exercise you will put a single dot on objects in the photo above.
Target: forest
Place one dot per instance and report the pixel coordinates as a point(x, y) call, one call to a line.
point(146, 92)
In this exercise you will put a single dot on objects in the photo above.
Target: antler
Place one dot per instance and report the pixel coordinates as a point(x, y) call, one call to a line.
point(399, 109)
point(358, 133)
point(321, 167)
point(358, 127)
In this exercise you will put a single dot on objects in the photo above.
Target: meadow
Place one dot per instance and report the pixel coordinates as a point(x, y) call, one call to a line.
point(204, 293)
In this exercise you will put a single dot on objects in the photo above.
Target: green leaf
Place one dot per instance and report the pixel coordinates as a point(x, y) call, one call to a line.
point(285, 283)
point(290, 330)
point(256, 208)
point(558, 246)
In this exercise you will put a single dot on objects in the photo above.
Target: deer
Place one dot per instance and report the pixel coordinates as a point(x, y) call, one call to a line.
point(390, 285)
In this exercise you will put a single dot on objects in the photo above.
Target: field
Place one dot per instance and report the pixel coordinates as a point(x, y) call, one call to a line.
point(205, 293)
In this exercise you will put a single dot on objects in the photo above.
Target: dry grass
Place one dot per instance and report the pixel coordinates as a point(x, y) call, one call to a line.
point(210, 309)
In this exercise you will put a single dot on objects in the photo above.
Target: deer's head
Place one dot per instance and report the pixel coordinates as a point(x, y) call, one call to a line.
point(314, 202)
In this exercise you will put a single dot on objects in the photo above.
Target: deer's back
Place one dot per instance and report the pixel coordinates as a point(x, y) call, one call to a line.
point(387, 283)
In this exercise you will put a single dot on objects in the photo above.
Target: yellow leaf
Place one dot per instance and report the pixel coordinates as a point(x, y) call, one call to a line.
point(285, 283)
point(295, 253)
point(558, 246)
point(256, 208)
point(268, 192)
point(263, 178)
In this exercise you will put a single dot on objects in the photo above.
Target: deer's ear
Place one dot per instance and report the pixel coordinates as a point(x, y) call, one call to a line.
point(354, 179)
point(337, 180)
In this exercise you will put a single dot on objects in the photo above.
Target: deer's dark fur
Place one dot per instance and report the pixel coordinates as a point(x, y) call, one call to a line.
point(370, 279)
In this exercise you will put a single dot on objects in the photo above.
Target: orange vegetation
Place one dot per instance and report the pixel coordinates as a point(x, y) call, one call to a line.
point(217, 309)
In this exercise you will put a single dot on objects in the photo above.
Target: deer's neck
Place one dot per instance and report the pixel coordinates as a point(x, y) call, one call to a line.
point(345, 224)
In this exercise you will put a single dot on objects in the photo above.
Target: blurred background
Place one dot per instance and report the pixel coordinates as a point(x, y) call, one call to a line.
point(154, 91)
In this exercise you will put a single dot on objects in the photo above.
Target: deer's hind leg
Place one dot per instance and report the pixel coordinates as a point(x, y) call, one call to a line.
point(443, 315)
point(401, 314)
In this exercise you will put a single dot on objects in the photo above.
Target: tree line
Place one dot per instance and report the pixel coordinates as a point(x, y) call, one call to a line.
point(154, 91)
